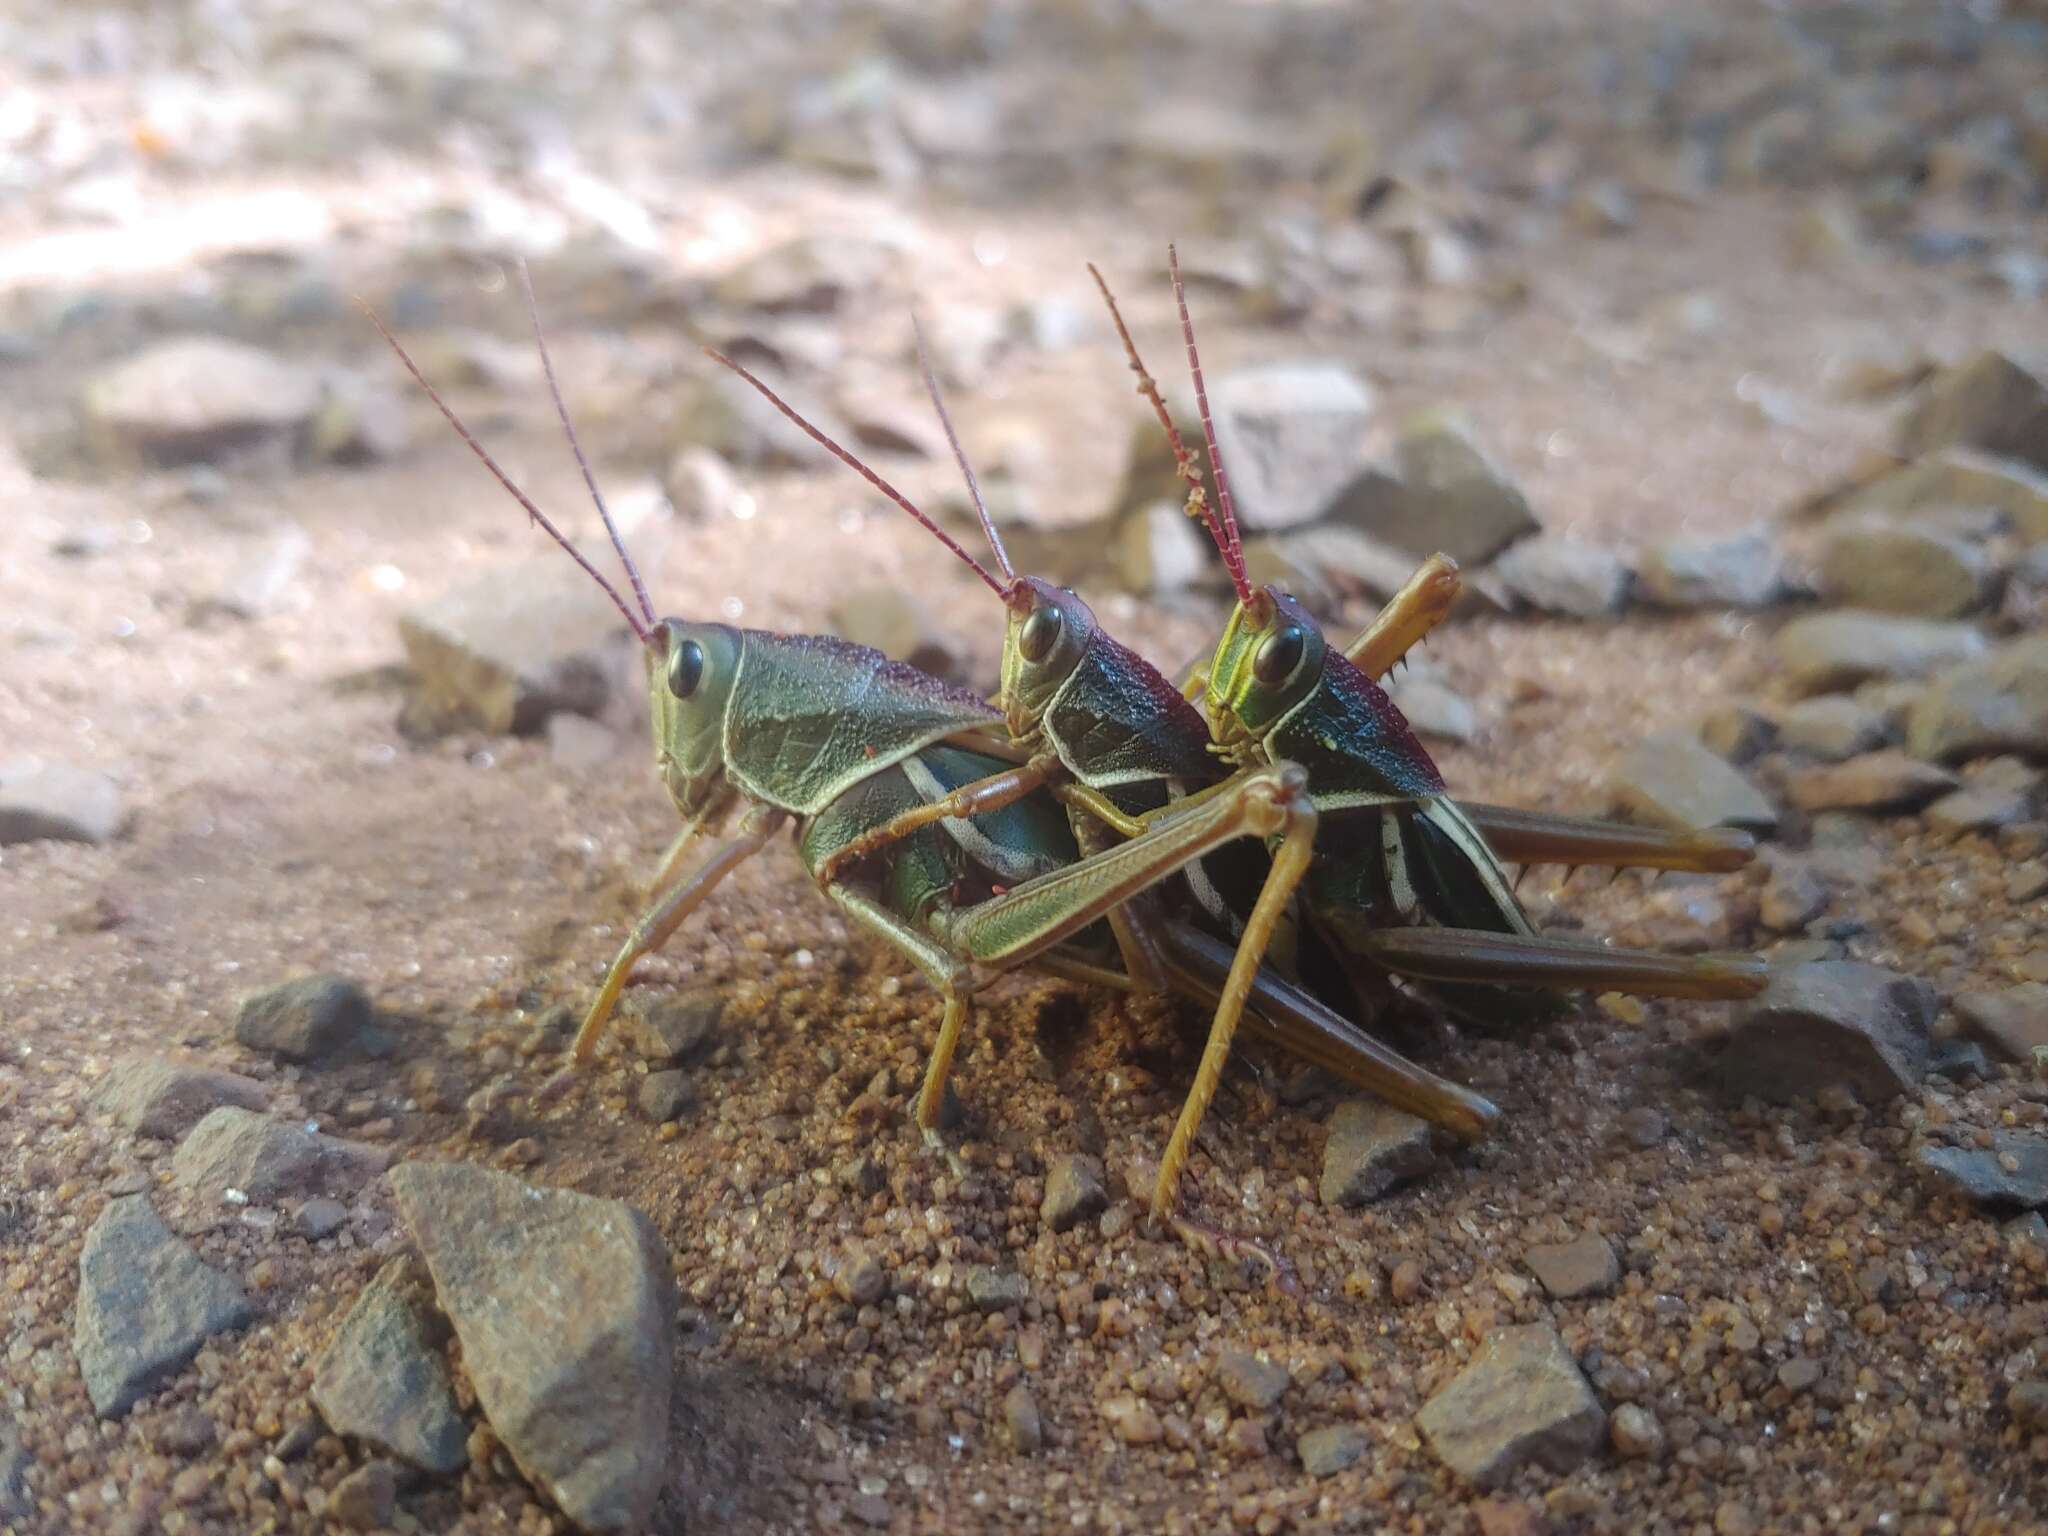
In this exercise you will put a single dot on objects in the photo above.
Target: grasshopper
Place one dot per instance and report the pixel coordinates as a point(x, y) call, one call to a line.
point(834, 740)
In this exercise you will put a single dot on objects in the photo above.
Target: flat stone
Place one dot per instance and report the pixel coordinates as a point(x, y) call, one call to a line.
point(307, 1018)
point(1433, 708)
point(2011, 1172)
point(1553, 574)
point(1372, 1147)
point(160, 1097)
point(1522, 1400)
point(2001, 792)
point(1740, 572)
point(1443, 492)
point(1585, 1266)
point(1888, 567)
point(1074, 1192)
point(191, 398)
point(1989, 402)
point(268, 1159)
point(1826, 652)
point(992, 1289)
point(1825, 1023)
point(1960, 478)
point(1998, 703)
point(663, 1096)
point(1328, 1451)
point(2012, 1023)
point(146, 1303)
point(1249, 1381)
point(1832, 727)
point(1292, 434)
point(565, 1309)
point(503, 652)
point(57, 802)
point(899, 626)
point(383, 1380)
point(1672, 780)
point(675, 1028)
point(1876, 781)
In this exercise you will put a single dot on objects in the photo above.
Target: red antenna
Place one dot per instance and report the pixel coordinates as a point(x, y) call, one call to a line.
point(1184, 462)
point(931, 387)
point(555, 390)
point(862, 470)
point(1233, 548)
point(639, 629)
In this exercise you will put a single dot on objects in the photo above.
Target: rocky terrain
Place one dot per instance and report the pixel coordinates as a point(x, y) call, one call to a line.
point(1707, 340)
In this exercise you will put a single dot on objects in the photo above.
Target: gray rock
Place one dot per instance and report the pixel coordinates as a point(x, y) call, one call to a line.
point(382, 1378)
point(1671, 780)
point(1998, 703)
point(1328, 1451)
point(195, 397)
point(810, 274)
point(1739, 572)
point(365, 1500)
point(675, 1028)
point(860, 1278)
point(897, 625)
point(318, 1218)
point(1074, 1192)
point(1989, 402)
point(1521, 1400)
point(463, 359)
point(1876, 781)
point(268, 1159)
point(1443, 493)
point(2012, 1171)
point(1434, 709)
point(663, 1096)
point(1794, 896)
point(2013, 1023)
point(1960, 478)
point(259, 582)
point(1292, 435)
point(1559, 575)
point(57, 802)
point(565, 1309)
point(306, 1019)
point(15, 1502)
point(1891, 567)
point(1372, 1148)
point(156, 1096)
point(702, 487)
point(992, 1289)
point(1830, 1022)
point(1822, 652)
point(1832, 727)
point(1021, 1421)
point(1249, 1381)
point(1585, 1266)
point(1160, 549)
point(503, 652)
point(359, 421)
point(146, 1303)
point(2004, 791)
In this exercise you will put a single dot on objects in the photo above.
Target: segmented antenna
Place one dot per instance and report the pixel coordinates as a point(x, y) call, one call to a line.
point(1233, 548)
point(931, 387)
point(853, 463)
point(639, 629)
point(1184, 462)
point(548, 367)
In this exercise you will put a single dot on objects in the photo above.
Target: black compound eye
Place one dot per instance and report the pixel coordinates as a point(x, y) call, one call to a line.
point(685, 669)
point(1041, 632)
point(1279, 654)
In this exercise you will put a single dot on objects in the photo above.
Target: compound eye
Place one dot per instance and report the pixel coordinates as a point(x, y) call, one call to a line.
point(1279, 654)
point(685, 669)
point(1041, 632)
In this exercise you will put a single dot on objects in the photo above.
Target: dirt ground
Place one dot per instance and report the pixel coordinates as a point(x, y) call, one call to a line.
point(279, 823)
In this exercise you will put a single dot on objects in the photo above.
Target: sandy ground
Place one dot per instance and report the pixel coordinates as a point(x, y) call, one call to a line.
point(280, 824)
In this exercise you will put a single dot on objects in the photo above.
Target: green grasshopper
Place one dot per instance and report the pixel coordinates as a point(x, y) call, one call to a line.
point(835, 739)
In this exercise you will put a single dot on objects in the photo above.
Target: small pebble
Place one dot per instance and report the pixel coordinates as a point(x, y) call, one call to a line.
point(1331, 1449)
point(1020, 1420)
point(1636, 1433)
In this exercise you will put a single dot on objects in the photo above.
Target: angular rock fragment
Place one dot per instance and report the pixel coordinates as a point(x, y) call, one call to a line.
point(1585, 1266)
point(1831, 727)
point(2002, 792)
point(1575, 577)
point(1328, 1451)
point(1989, 402)
point(305, 1019)
point(1671, 780)
point(2011, 1172)
point(1433, 708)
point(1158, 549)
point(382, 1378)
point(57, 802)
point(1830, 1022)
point(1249, 1381)
point(1998, 703)
point(157, 1096)
point(1292, 435)
point(2013, 1023)
point(1823, 652)
point(1372, 1147)
point(268, 1159)
point(675, 1028)
point(1074, 1192)
point(565, 1309)
point(1876, 781)
point(146, 1303)
point(191, 398)
point(1521, 1400)
point(1443, 493)
point(1890, 567)
point(1739, 572)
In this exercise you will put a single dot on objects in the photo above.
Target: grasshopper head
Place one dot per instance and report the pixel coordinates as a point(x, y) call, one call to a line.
point(1269, 659)
point(690, 673)
point(1048, 633)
